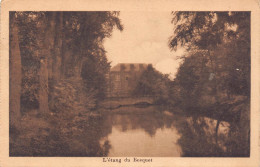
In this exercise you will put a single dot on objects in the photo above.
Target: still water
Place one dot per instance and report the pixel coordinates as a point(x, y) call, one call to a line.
point(138, 140)
point(158, 132)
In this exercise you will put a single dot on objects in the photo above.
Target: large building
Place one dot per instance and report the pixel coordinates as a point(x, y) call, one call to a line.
point(123, 79)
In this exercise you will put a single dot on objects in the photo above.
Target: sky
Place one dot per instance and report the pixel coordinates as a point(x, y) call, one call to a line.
point(144, 40)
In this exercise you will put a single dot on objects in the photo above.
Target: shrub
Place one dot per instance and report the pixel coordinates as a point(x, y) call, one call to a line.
point(71, 95)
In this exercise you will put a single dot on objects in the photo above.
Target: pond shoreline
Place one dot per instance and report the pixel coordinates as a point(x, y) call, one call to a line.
point(226, 114)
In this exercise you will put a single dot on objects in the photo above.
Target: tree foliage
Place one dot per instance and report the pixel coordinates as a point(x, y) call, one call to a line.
point(62, 45)
point(155, 84)
point(218, 61)
point(57, 69)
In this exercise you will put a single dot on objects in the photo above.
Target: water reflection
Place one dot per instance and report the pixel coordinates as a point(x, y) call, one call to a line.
point(158, 132)
point(138, 143)
point(85, 142)
point(198, 137)
point(143, 134)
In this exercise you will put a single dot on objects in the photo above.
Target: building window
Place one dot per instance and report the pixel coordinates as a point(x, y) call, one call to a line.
point(126, 78)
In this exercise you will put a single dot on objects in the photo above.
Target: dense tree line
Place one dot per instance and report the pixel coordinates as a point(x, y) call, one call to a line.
point(50, 51)
point(214, 77)
point(216, 67)
point(58, 66)
point(155, 84)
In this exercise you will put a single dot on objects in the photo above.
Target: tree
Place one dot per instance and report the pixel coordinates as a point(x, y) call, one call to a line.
point(89, 61)
point(58, 46)
point(84, 33)
point(222, 36)
point(15, 71)
point(46, 45)
point(28, 39)
point(153, 83)
point(192, 79)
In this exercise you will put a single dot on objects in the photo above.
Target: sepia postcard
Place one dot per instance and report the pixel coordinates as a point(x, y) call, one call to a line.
point(130, 83)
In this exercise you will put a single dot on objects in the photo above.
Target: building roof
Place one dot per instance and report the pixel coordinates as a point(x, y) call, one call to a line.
point(129, 67)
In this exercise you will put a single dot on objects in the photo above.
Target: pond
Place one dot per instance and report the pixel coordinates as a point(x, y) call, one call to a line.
point(157, 132)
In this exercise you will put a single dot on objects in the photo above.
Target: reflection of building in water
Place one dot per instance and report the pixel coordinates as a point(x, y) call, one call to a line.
point(123, 78)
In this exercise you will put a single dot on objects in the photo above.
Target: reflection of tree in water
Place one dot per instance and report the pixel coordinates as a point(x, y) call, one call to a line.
point(198, 138)
point(149, 122)
point(238, 143)
point(197, 134)
point(85, 142)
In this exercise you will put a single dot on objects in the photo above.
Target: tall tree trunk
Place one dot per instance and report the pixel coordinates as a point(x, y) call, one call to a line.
point(15, 72)
point(58, 42)
point(52, 47)
point(43, 92)
point(45, 53)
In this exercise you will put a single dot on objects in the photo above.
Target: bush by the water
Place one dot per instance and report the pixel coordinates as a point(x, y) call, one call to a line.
point(71, 95)
point(52, 133)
